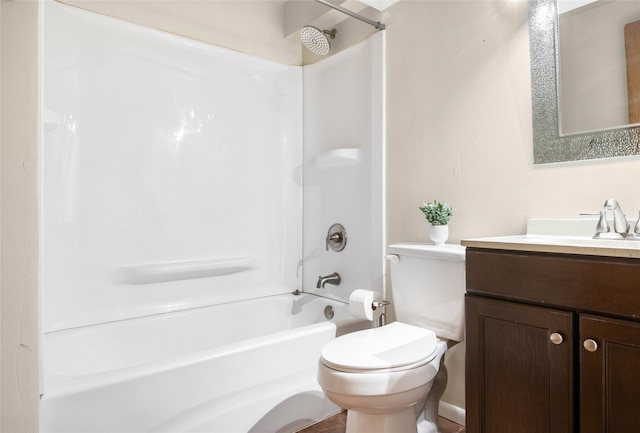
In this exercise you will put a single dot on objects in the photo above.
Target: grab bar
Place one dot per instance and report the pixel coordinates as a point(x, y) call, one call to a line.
point(184, 270)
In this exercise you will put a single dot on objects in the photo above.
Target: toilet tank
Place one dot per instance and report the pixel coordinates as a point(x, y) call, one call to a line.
point(428, 285)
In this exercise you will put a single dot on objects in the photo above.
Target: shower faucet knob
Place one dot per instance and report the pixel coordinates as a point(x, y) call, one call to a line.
point(336, 238)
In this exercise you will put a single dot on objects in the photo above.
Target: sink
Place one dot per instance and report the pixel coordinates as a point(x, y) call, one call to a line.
point(584, 226)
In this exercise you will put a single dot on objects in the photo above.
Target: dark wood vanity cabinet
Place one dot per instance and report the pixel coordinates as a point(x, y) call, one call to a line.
point(516, 380)
point(609, 372)
point(552, 343)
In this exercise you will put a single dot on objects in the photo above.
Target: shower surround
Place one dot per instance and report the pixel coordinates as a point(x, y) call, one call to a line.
point(172, 177)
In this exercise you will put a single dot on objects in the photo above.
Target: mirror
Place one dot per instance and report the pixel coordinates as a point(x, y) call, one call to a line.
point(551, 143)
point(603, 39)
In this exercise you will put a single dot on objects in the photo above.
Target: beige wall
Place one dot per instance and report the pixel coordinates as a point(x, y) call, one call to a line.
point(459, 129)
point(459, 126)
point(253, 27)
point(19, 253)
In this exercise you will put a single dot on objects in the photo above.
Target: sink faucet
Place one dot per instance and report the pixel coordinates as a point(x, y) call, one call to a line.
point(620, 224)
point(328, 279)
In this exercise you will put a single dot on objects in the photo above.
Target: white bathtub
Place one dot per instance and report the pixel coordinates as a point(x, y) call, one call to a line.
point(247, 366)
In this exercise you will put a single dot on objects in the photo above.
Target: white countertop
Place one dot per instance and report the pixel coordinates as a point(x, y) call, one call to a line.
point(560, 244)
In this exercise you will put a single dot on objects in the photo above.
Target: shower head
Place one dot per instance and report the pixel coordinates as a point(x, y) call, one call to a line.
point(316, 40)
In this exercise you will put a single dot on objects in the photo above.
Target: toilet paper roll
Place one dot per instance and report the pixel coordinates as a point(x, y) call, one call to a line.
point(361, 304)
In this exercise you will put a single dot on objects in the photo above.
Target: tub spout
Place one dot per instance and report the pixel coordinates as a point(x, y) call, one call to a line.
point(328, 279)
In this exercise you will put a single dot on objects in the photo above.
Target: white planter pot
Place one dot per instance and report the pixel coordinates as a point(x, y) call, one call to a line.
point(439, 234)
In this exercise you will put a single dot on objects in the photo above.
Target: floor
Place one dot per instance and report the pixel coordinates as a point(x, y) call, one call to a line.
point(336, 424)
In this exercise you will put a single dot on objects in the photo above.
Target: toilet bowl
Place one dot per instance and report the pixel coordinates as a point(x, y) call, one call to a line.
point(382, 385)
point(388, 378)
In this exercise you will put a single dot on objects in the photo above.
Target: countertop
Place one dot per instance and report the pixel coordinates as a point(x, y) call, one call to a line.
point(580, 245)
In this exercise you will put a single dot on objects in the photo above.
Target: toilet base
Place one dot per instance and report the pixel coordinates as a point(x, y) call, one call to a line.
point(425, 426)
point(403, 421)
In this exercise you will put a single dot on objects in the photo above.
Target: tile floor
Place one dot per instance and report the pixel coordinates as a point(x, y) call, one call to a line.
point(336, 424)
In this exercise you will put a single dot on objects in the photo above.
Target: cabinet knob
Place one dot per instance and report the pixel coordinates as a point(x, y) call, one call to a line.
point(590, 345)
point(556, 338)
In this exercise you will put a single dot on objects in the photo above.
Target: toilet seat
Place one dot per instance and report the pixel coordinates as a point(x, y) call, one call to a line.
point(393, 347)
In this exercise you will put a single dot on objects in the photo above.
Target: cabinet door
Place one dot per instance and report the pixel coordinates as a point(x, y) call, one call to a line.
point(609, 375)
point(518, 368)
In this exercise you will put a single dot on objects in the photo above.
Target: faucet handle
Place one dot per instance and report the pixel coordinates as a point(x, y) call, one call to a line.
point(620, 223)
point(336, 238)
point(636, 227)
point(603, 224)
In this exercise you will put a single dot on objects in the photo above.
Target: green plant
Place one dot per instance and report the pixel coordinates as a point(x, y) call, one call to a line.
point(437, 213)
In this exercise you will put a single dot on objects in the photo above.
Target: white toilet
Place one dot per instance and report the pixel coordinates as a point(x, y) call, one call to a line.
point(390, 379)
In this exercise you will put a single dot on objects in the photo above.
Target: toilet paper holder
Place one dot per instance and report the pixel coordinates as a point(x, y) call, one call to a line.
point(382, 320)
point(368, 305)
point(379, 304)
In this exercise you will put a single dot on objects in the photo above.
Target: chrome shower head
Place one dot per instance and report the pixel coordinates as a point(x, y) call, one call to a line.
point(316, 40)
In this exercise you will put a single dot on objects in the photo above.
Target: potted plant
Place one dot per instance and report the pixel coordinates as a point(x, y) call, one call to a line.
point(438, 215)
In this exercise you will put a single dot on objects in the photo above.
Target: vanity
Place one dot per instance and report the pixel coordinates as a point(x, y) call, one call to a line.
point(552, 335)
point(553, 321)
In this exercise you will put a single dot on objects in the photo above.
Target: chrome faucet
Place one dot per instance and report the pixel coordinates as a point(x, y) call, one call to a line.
point(328, 279)
point(620, 224)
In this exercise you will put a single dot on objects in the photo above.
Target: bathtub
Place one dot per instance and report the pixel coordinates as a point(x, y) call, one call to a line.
point(247, 366)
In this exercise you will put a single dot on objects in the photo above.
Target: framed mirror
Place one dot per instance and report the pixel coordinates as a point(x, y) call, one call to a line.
point(550, 143)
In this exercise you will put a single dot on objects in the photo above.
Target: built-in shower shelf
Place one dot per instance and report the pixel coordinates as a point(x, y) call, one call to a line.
point(335, 158)
point(184, 270)
point(50, 120)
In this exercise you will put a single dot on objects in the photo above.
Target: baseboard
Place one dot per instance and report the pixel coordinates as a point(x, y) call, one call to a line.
point(451, 412)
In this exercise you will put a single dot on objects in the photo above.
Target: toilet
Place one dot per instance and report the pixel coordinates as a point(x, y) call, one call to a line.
point(390, 378)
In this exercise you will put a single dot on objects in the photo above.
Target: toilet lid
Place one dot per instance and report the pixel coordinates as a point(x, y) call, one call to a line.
point(390, 346)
